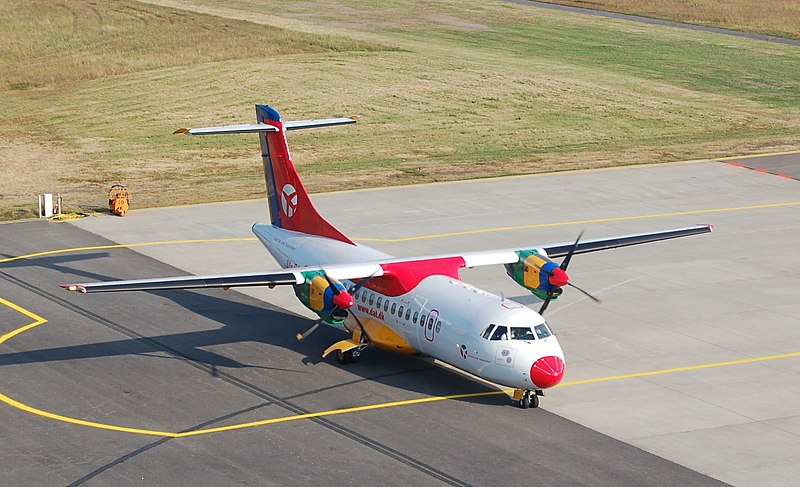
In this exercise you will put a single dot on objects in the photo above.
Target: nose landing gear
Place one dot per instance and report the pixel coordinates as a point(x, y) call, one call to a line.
point(526, 398)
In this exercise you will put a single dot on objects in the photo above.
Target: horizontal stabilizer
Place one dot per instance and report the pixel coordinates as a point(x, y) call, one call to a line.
point(252, 128)
point(255, 128)
point(322, 122)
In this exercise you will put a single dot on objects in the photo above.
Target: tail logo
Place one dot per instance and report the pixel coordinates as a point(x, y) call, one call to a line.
point(289, 200)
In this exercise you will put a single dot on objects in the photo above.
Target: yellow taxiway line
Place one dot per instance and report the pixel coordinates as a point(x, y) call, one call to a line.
point(122, 246)
point(579, 222)
point(38, 320)
point(418, 237)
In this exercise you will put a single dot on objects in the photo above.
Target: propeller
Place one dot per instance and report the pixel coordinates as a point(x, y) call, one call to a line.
point(558, 278)
point(341, 300)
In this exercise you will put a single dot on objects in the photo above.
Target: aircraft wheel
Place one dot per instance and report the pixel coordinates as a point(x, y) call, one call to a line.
point(525, 402)
point(535, 401)
point(343, 357)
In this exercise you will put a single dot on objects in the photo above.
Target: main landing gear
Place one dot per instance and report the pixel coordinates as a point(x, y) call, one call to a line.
point(349, 356)
point(526, 398)
point(349, 350)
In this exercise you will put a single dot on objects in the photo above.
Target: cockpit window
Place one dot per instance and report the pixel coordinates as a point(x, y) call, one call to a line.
point(487, 332)
point(518, 333)
point(542, 331)
point(500, 333)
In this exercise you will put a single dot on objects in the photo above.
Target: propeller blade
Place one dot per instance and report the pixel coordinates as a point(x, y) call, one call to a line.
point(300, 336)
point(363, 330)
point(596, 300)
point(331, 283)
point(565, 263)
point(362, 283)
point(547, 300)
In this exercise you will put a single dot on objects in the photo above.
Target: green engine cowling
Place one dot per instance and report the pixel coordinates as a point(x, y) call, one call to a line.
point(535, 272)
point(317, 294)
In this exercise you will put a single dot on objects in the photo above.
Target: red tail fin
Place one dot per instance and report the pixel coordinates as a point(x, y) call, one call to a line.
point(289, 204)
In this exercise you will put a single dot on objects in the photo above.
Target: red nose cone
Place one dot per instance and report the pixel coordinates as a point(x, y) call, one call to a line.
point(343, 300)
point(547, 371)
point(559, 277)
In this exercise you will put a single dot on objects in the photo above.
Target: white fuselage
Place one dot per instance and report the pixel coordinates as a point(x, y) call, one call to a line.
point(464, 326)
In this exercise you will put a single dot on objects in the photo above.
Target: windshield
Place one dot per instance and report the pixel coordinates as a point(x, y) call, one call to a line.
point(542, 331)
point(520, 333)
point(500, 332)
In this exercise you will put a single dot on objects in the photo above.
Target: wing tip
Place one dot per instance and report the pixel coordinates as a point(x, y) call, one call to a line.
point(73, 287)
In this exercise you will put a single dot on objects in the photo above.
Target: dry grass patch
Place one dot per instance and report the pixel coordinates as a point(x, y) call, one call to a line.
point(536, 90)
point(775, 17)
point(46, 42)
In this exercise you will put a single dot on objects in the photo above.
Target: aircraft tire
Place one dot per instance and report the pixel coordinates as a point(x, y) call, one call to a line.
point(343, 357)
point(525, 402)
point(534, 401)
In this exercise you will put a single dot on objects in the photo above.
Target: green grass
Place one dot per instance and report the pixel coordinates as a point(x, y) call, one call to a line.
point(444, 92)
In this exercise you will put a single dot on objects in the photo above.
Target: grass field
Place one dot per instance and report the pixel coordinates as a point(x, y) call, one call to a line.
point(91, 92)
point(776, 17)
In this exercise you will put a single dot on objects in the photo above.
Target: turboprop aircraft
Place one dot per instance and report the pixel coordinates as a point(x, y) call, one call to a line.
point(416, 305)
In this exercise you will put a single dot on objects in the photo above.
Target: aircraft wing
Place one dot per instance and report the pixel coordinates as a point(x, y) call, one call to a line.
point(283, 277)
point(363, 270)
point(510, 256)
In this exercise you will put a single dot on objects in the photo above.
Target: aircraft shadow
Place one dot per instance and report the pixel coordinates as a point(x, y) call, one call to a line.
point(241, 318)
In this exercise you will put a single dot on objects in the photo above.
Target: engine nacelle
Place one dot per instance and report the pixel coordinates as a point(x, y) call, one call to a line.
point(534, 272)
point(317, 294)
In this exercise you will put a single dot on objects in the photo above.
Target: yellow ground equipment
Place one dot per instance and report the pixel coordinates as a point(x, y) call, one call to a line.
point(118, 197)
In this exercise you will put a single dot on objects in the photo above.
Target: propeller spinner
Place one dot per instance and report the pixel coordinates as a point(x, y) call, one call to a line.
point(342, 300)
point(558, 278)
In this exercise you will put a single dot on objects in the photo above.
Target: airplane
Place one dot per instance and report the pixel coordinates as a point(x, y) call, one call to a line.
point(412, 305)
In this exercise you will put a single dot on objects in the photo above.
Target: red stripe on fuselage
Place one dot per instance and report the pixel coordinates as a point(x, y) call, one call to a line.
point(402, 277)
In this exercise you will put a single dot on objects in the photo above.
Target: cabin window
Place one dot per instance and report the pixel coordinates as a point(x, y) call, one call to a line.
point(394, 307)
point(518, 333)
point(363, 296)
point(438, 326)
point(386, 305)
point(422, 320)
point(380, 301)
point(416, 315)
point(500, 333)
point(371, 299)
point(408, 313)
point(487, 332)
point(400, 311)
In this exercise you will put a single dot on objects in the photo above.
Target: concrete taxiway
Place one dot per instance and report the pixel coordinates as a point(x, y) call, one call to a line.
point(687, 373)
